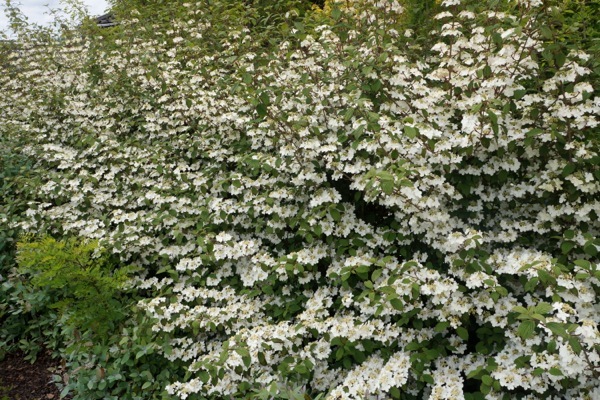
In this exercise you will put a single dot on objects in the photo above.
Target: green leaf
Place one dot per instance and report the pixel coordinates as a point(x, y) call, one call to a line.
point(441, 326)
point(410, 131)
point(526, 329)
point(545, 277)
point(65, 392)
point(585, 264)
point(387, 187)
point(487, 380)
point(546, 32)
point(204, 376)
point(264, 98)
point(462, 333)
point(494, 121)
point(358, 132)
point(397, 304)
point(555, 371)
point(543, 308)
point(336, 13)
point(590, 250)
point(575, 345)
point(242, 351)
point(415, 290)
point(376, 274)
point(557, 328)
point(335, 214)
point(566, 247)
point(347, 363)
point(518, 94)
point(384, 176)
point(560, 58)
point(538, 317)
point(348, 114)
point(412, 346)
point(475, 372)
point(582, 276)
point(534, 132)
point(432, 354)
point(261, 110)
point(373, 116)
point(520, 310)
point(568, 169)
point(531, 284)
point(362, 269)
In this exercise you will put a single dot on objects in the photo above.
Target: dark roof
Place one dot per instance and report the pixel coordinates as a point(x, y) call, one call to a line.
point(106, 20)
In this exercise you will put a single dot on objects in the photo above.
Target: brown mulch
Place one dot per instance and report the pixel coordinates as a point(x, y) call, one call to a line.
point(21, 380)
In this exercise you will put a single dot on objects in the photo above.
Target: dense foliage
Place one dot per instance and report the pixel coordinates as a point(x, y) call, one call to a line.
point(322, 204)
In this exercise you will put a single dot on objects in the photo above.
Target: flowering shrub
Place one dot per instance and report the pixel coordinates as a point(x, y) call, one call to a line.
point(344, 210)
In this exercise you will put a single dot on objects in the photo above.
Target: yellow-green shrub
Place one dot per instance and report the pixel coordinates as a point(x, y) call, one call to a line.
point(82, 283)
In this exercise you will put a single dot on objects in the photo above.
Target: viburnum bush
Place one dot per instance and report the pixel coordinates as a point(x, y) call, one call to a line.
point(342, 208)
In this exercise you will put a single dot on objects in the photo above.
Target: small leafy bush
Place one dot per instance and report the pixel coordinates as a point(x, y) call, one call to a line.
point(128, 365)
point(74, 300)
point(15, 174)
point(79, 280)
point(15, 168)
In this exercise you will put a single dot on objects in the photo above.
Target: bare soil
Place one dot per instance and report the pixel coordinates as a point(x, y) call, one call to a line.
point(22, 380)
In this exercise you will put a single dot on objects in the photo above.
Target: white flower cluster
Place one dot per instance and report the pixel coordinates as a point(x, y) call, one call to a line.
point(341, 212)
